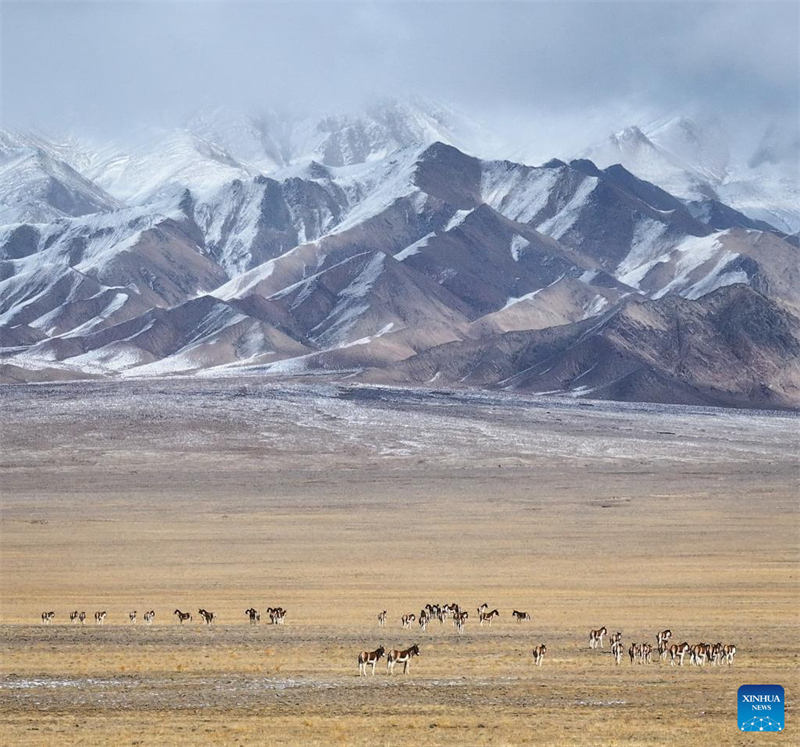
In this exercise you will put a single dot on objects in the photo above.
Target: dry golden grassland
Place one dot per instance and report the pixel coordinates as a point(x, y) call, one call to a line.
point(336, 505)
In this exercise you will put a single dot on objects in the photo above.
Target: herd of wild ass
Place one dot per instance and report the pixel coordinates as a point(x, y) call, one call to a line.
point(276, 615)
point(639, 653)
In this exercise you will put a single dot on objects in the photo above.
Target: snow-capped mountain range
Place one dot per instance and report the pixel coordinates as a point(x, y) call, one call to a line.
point(380, 245)
point(694, 162)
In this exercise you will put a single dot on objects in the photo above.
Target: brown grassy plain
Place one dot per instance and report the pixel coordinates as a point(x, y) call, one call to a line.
point(337, 503)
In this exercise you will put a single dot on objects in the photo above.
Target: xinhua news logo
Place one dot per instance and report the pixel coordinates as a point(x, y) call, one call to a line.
point(761, 708)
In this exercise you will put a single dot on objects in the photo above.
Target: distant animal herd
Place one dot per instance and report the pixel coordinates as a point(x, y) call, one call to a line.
point(716, 654)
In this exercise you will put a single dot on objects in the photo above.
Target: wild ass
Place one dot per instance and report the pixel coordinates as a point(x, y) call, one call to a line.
point(678, 651)
point(596, 637)
point(404, 657)
point(366, 658)
point(183, 616)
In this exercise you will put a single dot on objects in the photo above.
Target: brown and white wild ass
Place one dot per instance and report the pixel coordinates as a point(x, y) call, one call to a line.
point(208, 617)
point(406, 620)
point(100, 617)
point(728, 653)
point(487, 617)
point(149, 617)
point(254, 615)
point(48, 617)
point(132, 617)
point(699, 654)
point(73, 616)
point(404, 657)
point(520, 616)
point(183, 616)
point(596, 637)
point(365, 658)
point(678, 651)
point(382, 619)
point(538, 654)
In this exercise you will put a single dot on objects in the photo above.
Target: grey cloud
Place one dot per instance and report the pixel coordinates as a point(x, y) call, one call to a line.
point(562, 66)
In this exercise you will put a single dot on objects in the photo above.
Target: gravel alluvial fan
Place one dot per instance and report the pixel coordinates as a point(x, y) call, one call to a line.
point(391, 245)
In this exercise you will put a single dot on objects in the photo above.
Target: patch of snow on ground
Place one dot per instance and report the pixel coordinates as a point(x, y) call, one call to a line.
point(562, 221)
point(457, 219)
point(693, 252)
point(414, 248)
point(518, 192)
point(518, 243)
point(646, 245)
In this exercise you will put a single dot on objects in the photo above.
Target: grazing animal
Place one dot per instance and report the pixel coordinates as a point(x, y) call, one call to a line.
point(365, 658)
point(183, 616)
point(382, 618)
point(616, 638)
point(728, 653)
point(423, 620)
point(520, 616)
point(254, 615)
point(633, 652)
point(699, 654)
point(645, 651)
point(100, 617)
point(678, 651)
point(149, 617)
point(406, 620)
point(538, 654)
point(208, 617)
point(404, 657)
point(82, 618)
point(662, 638)
point(616, 651)
point(488, 616)
point(483, 608)
point(276, 615)
point(132, 617)
point(48, 617)
point(596, 637)
point(460, 619)
point(73, 616)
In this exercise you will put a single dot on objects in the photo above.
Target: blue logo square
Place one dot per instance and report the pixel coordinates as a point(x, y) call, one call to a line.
point(761, 708)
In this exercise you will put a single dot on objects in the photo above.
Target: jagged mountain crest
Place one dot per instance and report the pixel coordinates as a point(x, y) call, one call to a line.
point(353, 260)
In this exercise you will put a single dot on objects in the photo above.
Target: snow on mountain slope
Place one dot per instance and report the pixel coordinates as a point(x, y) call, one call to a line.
point(693, 162)
point(35, 187)
point(768, 192)
point(649, 161)
point(374, 257)
point(271, 141)
point(700, 147)
point(50, 272)
point(167, 164)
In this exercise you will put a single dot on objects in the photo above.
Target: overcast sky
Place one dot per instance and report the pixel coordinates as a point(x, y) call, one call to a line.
point(112, 65)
